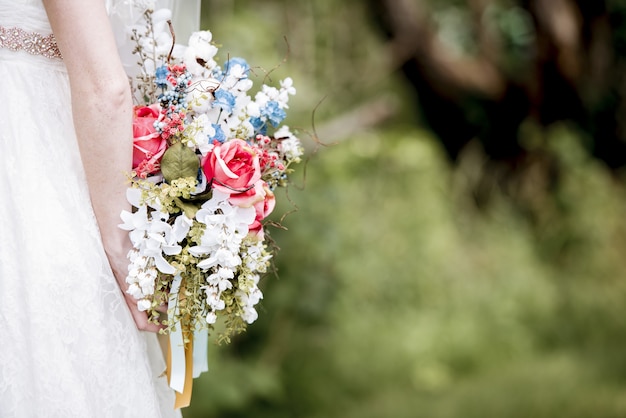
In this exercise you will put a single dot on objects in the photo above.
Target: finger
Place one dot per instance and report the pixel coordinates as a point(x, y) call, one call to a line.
point(142, 322)
point(162, 308)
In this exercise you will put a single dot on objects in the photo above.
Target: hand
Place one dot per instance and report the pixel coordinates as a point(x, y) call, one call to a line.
point(141, 318)
point(119, 266)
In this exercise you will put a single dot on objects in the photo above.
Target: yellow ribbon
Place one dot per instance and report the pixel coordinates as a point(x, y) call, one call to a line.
point(183, 399)
point(180, 353)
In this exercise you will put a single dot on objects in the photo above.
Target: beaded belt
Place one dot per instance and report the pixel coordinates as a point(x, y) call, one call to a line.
point(18, 39)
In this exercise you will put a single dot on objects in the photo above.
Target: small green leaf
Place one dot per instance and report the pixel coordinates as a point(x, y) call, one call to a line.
point(179, 161)
point(188, 208)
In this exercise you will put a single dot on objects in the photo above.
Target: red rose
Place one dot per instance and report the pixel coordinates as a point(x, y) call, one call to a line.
point(148, 145)
point(233, 167)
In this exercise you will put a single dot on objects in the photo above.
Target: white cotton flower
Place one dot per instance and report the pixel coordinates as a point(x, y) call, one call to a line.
point(199, 53)
point(177, 53)
point(161, 16)
point(200, 43)
point(195, 64)
point(160, 26)
point(200, 37)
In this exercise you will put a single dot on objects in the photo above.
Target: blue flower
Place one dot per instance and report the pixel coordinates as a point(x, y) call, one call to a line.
point(225, 100)
point(237, 61)
point(219, 133)
point(161, 76)
point(259, 125)
point(217, 73)
point(273, 113)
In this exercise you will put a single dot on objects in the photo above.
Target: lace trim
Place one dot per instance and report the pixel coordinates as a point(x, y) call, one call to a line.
point(34, 43)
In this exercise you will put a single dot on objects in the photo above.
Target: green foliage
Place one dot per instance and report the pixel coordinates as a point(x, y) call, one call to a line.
point(326, 46)
point(179, 161)
point(393, 297)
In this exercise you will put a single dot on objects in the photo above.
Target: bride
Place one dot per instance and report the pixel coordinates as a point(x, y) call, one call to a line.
point(72, 342)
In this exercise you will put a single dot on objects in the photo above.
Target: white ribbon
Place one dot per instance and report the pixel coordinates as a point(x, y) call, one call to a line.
point(200, 346)
point(177, 343)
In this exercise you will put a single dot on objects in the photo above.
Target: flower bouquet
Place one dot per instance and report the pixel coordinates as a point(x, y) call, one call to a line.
point(207, 158)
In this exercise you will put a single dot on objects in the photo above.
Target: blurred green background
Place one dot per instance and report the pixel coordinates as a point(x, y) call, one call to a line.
point(459, 245)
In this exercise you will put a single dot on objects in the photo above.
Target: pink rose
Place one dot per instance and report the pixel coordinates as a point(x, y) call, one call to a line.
point(233, 167)
point(148, 145)
point(263, 208)
point(250, 197)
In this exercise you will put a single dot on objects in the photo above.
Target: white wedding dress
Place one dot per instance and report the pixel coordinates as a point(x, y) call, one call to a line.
point(68, 345)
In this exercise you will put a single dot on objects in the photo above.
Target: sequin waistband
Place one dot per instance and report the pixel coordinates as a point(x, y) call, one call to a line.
point(34, 43)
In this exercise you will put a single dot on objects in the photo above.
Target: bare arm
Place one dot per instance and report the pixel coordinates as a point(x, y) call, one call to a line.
point(102, 113)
